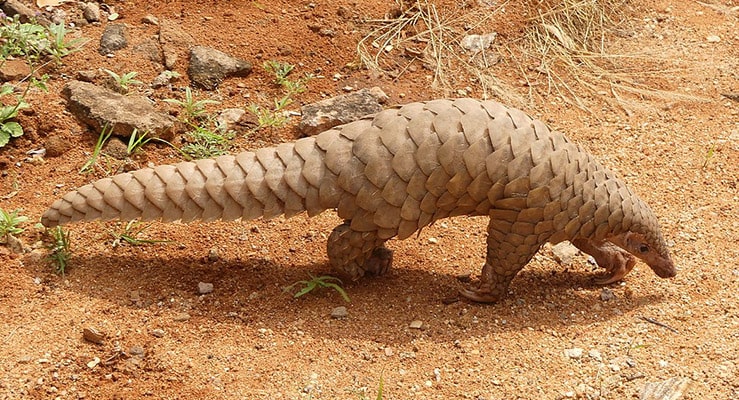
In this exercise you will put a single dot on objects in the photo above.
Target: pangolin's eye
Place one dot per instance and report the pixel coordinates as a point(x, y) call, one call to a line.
point(644, 248)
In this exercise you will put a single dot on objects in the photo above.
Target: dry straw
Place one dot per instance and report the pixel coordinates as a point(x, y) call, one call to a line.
point(565, 44)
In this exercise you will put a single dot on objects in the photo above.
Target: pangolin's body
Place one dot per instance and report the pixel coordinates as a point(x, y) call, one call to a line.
point(393, 173)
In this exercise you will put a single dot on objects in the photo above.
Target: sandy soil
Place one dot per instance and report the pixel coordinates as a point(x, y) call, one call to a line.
point(250, 339)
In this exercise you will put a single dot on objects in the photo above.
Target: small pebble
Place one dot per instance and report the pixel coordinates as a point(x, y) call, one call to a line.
point(205, 287)
point(136, 351)
point(713, 38)
point(339, 312)
point(416, 324)
point(607, 294)
point(92, 364)
point(158, 332)
point(433, 240)
point(181, 317)
point(595, 354)
point(574, 353)
point(150, 19)
point(92, 335)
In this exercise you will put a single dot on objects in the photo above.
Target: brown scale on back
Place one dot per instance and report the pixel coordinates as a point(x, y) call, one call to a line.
point(393, 173)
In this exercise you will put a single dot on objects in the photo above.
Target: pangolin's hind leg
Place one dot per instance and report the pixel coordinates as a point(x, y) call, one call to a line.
point(354, 254)
point(507, 253)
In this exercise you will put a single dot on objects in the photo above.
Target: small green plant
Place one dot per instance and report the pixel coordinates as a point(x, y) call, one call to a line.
point(205, 143)
point(8, 128)
point(194, 110)
point(61, 47)
point(169, 74)
point(276, 116)
point(270, 118)
point(281, 71)
point(130, 233)
point(125, 80)
point(136, 141)
point(709, 156)
point(315, 282)
point(102, 138)
point(34, 41)
point(59, 249)
point(9, 223)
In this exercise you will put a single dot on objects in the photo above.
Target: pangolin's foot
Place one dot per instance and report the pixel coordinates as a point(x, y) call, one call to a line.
point(379, 262)
point(482, 294)
point(616, 261)
point(493, 286)
point(618, 266)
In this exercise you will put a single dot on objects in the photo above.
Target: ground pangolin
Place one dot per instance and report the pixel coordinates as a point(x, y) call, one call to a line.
point(393, 173)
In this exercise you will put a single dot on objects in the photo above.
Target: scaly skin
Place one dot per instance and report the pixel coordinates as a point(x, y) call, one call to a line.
point(393, 173)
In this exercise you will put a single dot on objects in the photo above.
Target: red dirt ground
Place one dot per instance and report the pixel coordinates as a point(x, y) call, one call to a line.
point(250, 339)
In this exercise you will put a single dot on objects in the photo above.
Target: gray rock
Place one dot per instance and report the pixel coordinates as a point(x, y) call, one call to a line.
point(208, 67)
point(150, 49)
point(174, 41)
point(326, 114)
point(228, 119)
point(15, 244)
point(339, 312)
point(98, 107)
point(477, 43)
point(158, 332)
point(564, 253)
point(165, 78)
point(25, 14)
point(607, 294)
point(87, 75)
point(113, 39)
point(205, 287)
point(91, 12)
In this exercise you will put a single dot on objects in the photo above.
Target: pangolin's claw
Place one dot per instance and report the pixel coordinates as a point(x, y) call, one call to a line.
point(608, 278)
point(617, 269)
point(379, 262)
point(479, 295)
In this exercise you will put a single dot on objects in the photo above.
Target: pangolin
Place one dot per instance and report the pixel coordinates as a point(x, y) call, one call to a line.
point(395, 172)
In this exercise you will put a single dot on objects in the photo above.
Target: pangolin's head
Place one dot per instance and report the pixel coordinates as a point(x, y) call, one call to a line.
point(643, 238)
point(653, 251)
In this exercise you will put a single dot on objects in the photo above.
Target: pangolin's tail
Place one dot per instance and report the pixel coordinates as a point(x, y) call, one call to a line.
point(285, 179)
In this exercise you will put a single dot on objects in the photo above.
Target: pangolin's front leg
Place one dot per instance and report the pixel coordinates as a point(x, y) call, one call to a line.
point(353, 253)
point(616, 261)
point(507, 253)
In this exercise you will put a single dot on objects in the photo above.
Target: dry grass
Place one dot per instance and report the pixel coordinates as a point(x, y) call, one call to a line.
point(422, 32)
point(563, 52)
point(570, 41)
